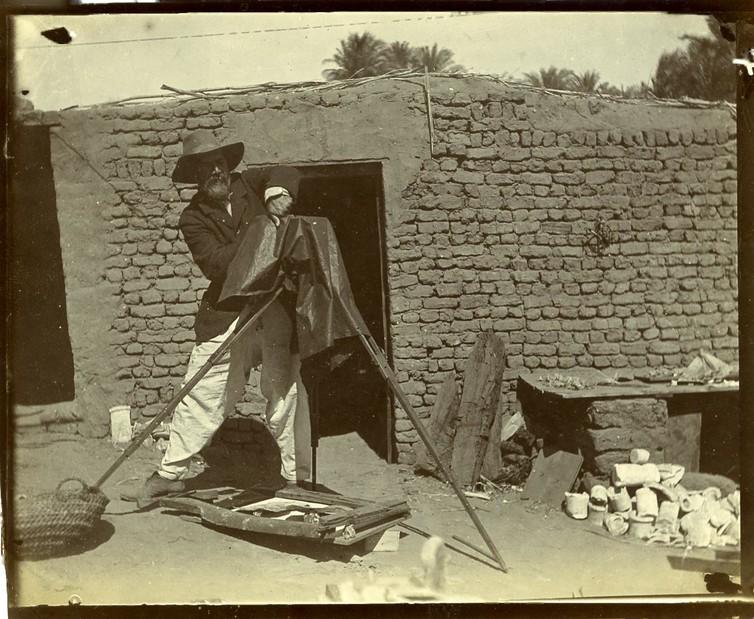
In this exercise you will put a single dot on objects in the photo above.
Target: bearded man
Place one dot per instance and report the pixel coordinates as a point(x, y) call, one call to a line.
point(213, 226)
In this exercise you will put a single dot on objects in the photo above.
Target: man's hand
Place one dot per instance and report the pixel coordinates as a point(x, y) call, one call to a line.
point(290, 282)
point(280, 206)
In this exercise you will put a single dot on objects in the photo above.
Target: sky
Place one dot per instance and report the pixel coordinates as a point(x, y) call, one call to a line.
point(106, 61)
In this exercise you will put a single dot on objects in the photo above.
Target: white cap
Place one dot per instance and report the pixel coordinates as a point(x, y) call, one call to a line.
point(274, 192)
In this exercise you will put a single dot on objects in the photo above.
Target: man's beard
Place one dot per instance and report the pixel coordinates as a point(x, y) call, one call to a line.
point(216, 188)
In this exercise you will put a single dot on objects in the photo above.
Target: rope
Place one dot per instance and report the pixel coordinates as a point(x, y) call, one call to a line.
point(207, 35)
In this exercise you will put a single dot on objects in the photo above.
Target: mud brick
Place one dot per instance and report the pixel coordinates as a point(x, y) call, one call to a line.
point(462, 176)
point(144, 152)
point(602, 463)
point(481, 153)
point(664, 347)
point(697, 151)
point(610, 439)
point(634, 413)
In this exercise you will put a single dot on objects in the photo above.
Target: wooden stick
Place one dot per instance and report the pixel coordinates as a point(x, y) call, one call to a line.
point(191, 93)
point(429, 113)
point(186, 389)
point(379, 360)
point(460, 551)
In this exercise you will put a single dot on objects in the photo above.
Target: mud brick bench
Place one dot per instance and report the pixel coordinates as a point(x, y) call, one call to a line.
point(692, 425)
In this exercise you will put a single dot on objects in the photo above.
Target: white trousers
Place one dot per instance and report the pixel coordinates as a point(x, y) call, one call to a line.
point(202, 411)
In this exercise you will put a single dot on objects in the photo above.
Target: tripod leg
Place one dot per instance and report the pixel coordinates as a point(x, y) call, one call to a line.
point(387, 373)
point(314, 412)
point(186, 389)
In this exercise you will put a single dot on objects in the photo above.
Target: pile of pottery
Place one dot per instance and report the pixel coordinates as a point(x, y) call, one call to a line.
point(647, 501)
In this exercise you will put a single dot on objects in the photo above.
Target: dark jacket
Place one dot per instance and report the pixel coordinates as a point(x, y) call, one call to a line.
point(213, 238)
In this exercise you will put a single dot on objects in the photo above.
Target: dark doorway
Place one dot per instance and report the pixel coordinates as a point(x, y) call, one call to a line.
point(41, 360)
point(720, 436)
point(354, 396)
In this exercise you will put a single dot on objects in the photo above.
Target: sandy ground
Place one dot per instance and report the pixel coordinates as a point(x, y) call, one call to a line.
point(156, 557)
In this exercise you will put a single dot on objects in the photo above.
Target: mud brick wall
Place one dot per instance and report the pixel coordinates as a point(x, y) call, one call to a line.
point(485, 232)
point(495, 239)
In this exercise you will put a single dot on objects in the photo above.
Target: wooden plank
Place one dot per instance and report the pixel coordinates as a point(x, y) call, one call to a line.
point(260, 493)
point(387, 541)
point(493, 461)
point(242, 498)
point(244, 522)
point(369, 532)
point(361, 513)
point(684, 439)
point(256, 524)
point(483, 376)
point(355, 516)
point(551, 477)
point(708, 561)
point(321, 497)
point(442, 427)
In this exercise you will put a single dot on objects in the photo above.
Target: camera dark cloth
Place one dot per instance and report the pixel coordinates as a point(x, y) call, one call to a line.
point(302, 254)
point(213, 237)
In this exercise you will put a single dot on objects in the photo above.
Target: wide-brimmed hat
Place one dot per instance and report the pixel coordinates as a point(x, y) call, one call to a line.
point(200, 143)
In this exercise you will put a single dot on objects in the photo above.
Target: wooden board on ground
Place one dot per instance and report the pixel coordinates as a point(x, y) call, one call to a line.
point(387, 541)
point(483, 375)
point(707, 561)
point(442, 427)
point(319, 516)
point(551, 477)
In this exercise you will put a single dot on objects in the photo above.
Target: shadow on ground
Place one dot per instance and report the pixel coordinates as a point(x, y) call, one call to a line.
point(100, 534)
point(312, 549)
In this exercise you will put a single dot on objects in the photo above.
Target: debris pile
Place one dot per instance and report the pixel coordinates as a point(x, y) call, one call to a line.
point(648, 501)
point(517, 454)
point(705, 368)
point(560, 381)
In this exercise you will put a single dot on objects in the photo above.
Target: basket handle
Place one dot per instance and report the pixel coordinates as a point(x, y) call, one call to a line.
point(58, 490)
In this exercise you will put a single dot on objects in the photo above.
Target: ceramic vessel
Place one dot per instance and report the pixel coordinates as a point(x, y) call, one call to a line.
point(576, 505)
point(616, 524)
point(618, 500)
point(597, 513)
point(638, 456)
point(120, 425)
point(646, 503)
point(640, 527)
point(635, 474)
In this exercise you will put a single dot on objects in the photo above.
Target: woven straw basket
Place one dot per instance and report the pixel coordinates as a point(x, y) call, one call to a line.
point(49, 524)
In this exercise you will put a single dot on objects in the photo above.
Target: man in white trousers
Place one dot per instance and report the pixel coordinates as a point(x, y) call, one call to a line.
point(213, 225)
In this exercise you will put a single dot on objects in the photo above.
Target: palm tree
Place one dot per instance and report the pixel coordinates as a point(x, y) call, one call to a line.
point(359, 55)
point(606, 88)
point(435, 60)
point(554, 78)
point(701, 70)
point(397, 55)
point(643, 90)
point(588, 81)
